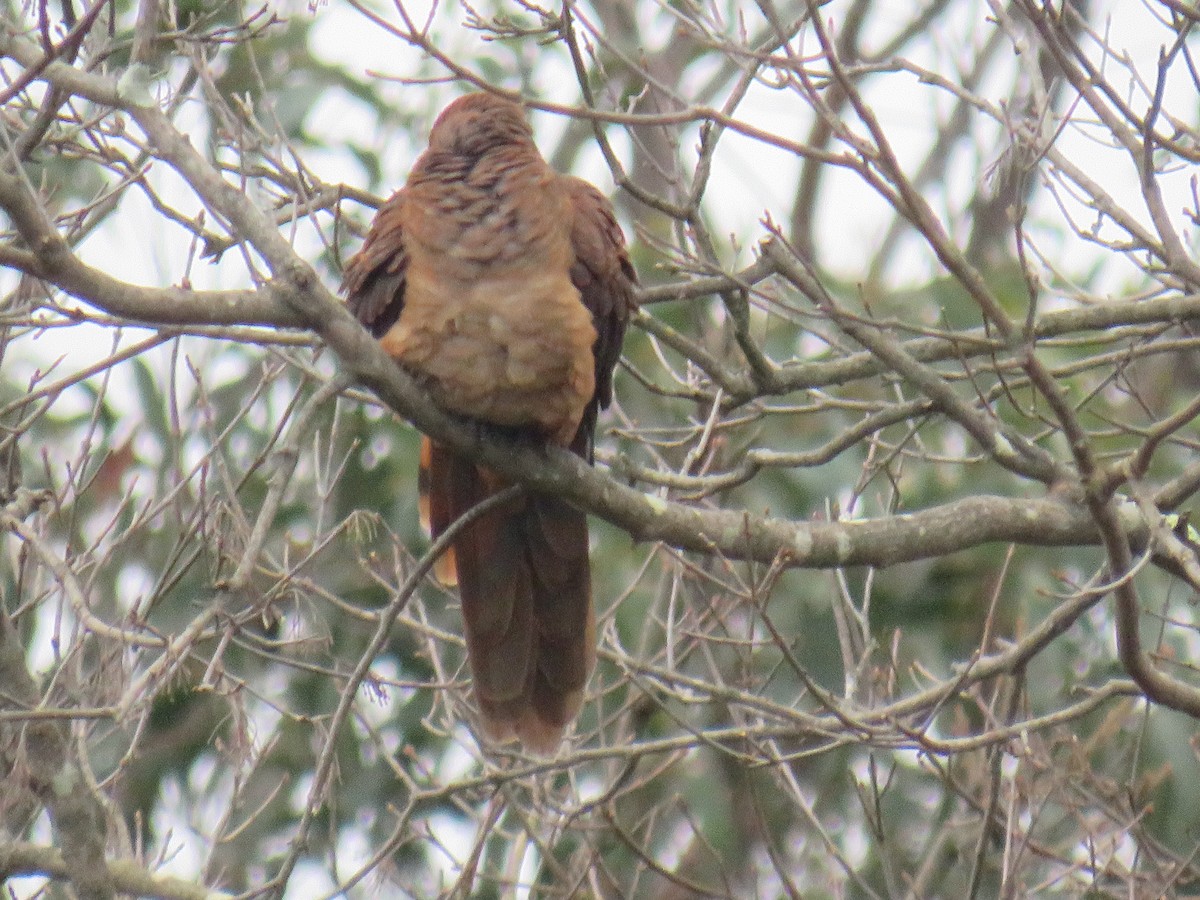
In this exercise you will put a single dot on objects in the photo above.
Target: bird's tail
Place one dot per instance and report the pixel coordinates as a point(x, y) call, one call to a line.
point(523, 575)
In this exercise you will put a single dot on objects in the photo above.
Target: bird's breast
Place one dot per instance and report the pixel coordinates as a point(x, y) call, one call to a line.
point(510, 345)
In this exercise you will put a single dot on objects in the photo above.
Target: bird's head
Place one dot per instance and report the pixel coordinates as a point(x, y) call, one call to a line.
point(474, 124)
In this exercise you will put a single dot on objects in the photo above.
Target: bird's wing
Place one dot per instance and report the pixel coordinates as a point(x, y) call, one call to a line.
point(606, 281)
point(373, 281)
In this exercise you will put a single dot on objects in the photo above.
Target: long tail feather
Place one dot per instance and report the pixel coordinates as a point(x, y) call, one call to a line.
point(523, 575)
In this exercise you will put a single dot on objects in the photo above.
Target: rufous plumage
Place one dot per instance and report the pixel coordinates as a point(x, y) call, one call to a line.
point(506, 287)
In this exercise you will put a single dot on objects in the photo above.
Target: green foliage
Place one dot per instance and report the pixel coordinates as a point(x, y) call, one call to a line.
point(200, 542)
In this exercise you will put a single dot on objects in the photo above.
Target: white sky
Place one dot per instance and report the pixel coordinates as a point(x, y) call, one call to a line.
point(749, 181)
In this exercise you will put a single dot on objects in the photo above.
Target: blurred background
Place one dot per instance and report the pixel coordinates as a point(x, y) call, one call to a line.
point(933, 259)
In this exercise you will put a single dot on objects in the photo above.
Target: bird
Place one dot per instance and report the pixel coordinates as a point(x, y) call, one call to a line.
point(506, 288)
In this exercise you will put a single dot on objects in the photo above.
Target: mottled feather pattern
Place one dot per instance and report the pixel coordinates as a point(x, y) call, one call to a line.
point(483, 219)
